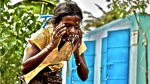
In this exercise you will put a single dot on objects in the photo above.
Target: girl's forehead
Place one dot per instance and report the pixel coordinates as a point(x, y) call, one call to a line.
point(71, 19)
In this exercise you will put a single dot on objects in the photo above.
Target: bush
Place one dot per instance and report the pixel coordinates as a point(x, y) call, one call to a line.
point(16, 25)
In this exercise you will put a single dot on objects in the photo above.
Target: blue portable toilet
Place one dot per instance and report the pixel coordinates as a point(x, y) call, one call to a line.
point(112, 54)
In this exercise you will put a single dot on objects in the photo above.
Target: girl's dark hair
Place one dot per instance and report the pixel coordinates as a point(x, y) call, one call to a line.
point(64, 9)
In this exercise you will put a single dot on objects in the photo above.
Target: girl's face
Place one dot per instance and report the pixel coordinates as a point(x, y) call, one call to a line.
point(72, 24)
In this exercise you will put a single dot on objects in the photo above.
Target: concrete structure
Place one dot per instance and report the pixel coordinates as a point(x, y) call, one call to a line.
point(137, 53)
point(131, 70)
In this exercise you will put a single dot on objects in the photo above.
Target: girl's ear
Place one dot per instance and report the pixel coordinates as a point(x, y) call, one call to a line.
point(54, 25)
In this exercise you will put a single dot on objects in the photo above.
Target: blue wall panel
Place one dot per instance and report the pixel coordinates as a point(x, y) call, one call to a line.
point(89, 56)
point(104, 61)
point(118, 56)
point(115, 57)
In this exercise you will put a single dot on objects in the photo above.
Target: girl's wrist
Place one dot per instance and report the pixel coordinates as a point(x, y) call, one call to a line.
point(49, 47)
point(76, 53)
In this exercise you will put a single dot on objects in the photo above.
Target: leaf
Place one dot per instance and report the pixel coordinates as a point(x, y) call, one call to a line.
point(135, 2)
point(2, 51)
point(108, 6)
point(108, 0)
point(20, 42)
point(6, 13)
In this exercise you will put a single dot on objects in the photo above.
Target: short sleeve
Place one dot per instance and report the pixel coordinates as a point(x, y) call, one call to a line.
point(26, 51)
point(39, 39)
point(82, 47)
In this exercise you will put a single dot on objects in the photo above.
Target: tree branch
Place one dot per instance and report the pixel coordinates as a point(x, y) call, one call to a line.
point(148, 1)
point(147, 29)
point(100, 8)
point(146, 54)
point(138, 22)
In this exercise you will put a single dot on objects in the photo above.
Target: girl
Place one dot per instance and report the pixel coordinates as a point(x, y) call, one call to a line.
point(50, 46)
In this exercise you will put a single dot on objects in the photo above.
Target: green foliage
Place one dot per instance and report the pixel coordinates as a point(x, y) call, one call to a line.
point(119, 9)
point(96, 22)
point(16, 25)
point(68, 0)
point(125, 7)
point(36, 5)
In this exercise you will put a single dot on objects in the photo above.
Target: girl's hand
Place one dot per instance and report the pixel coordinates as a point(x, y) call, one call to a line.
point(58, 32)
point(76, 44)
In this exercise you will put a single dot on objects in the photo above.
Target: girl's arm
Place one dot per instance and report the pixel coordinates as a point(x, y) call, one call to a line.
point(82, 68)
point(35, 56)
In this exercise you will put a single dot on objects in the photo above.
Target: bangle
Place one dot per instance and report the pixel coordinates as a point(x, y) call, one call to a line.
point(48, 48)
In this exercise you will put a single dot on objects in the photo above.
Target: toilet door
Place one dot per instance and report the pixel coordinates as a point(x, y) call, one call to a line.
point(115, 62)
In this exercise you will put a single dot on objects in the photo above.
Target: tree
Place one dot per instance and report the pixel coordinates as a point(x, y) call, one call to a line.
point(17, 24)
point(39, 6)
point(99, 21)
point(68, 0)
point(126, 7)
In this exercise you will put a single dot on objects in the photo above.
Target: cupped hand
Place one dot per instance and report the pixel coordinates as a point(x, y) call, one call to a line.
point(76, 44)
point(58, 32)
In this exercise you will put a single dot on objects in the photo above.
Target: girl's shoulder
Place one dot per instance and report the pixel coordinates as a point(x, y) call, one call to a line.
point(41, 37)
point(48, 29)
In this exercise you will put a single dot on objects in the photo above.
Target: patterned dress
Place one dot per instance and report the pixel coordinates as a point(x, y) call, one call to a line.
point(46, 76)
